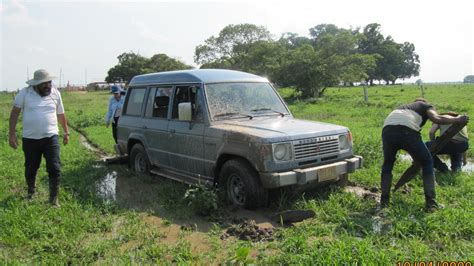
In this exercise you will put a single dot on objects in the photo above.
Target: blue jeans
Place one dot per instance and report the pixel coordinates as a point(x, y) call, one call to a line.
point(395, 138)
point(455, 150)
point(34, 149)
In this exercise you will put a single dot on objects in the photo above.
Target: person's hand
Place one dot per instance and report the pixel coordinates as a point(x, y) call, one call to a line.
point(66, 138)
point(13, 141)
point(464, 162)
point(107, 124)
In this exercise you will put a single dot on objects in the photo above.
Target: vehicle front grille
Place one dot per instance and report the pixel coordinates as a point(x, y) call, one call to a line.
point(313, 147)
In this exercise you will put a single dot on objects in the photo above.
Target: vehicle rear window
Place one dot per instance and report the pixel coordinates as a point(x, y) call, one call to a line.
point(135, 101)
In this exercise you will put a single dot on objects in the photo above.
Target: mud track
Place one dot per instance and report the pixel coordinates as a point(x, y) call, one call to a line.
point(139, 194)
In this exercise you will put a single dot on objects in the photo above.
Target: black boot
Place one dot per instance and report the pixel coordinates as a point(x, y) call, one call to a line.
point(53, 196)
point(430, 194)
point(31, 182)
point(386, 184)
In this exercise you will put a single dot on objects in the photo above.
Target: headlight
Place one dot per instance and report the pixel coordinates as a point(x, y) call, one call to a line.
point(345, 142)
point(282, 151)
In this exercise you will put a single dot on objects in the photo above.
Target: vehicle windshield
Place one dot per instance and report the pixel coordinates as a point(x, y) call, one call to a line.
point(236, 100)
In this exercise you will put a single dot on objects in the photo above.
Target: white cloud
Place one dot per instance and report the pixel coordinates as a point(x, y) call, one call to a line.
point(15, 13)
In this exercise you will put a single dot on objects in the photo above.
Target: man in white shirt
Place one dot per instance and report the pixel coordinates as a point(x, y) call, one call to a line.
point(42, 109)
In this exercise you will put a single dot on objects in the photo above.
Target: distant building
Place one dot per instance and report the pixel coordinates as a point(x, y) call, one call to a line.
point(101, 85)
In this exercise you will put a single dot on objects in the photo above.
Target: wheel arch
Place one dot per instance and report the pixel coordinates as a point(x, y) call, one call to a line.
point(223, 158)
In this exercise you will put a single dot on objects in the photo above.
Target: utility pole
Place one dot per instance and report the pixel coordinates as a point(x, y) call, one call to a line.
point(27, 73)
point(60, 75)
point(85, 84)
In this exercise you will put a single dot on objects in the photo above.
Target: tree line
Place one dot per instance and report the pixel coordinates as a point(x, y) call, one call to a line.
point(330, 56)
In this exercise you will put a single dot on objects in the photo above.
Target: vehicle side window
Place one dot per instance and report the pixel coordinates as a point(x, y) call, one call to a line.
point(161, 102)
point(192, 95)
point(149, 103)
point(135, 101)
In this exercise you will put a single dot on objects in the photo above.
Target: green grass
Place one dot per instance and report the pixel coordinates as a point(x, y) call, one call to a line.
point(137, 225)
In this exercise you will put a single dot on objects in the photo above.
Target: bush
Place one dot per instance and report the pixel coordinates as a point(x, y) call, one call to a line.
point(202, 199)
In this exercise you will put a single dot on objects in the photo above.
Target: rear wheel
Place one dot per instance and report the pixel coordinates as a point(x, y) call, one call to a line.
point(241, 185)
point(139, 159)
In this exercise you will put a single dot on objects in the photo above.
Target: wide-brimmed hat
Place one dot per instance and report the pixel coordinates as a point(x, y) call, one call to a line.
point(116, 89)
point(39, 77)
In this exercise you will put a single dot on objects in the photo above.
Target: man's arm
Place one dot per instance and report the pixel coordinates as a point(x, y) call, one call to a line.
point(433, 130)
point(445, 119)
point(63, 121)
point(12, 140)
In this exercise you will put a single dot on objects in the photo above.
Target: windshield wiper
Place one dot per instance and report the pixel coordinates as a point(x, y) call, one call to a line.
point(268, 109)
point(233, 114)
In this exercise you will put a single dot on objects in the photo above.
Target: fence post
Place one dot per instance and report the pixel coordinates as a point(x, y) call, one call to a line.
point(422, 91)
point(366, 95)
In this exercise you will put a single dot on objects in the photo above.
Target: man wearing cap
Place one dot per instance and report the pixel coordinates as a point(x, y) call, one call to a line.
point(115, 109)
point(42, 109)
point(401, 131)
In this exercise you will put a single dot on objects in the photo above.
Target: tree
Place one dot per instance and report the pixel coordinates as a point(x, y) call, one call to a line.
point(232, 41)
point(339, 54)
point(292, 40)
point(301, 68)
point(411, 61)
point(262, 58)
point(370, 44)
point(394, 60)
point(390, 65)
point(162, 62)
point(469, 79)
point(132, 64)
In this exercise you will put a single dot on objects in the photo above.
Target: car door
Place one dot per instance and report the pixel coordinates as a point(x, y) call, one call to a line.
point(155, 122)
point(186, 152)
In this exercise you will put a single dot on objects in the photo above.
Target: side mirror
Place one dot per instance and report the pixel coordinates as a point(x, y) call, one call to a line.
point(184, 111)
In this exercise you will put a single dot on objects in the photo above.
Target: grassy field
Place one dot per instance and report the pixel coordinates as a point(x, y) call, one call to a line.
point(109, 215)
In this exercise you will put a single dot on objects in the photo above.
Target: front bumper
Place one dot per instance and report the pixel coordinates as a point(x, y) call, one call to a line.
point(317, 174)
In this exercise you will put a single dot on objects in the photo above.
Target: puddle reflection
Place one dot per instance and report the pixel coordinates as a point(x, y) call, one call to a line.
point(106, 187)
point(134, 192)
point(469, 167)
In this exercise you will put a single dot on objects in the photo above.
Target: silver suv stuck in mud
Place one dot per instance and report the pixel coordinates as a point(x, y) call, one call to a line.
point(231, 128)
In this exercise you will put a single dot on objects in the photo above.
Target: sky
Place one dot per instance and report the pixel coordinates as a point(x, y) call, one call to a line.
point(82, 39)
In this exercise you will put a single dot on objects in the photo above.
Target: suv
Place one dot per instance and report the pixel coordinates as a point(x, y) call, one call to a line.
point(231, 128)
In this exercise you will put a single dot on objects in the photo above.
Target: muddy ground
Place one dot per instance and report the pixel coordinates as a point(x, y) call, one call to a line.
point(141, 196)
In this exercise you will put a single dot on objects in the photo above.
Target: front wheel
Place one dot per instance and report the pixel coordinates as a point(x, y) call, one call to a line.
point(241, 185)
point(139, 159)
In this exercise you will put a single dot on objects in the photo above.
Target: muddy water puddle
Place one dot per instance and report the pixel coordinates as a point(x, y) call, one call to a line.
point(365, 193)
point(469, 167)
point(380, 223)
point(84, 142)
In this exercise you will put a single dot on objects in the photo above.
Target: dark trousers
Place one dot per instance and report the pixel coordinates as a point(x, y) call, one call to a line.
point(34, 149)
point(114, 128)
point(395, 138)
point(455, 150)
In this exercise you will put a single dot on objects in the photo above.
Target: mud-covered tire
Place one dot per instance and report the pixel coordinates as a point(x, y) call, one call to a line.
point(241, 185)
point(139, 161)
